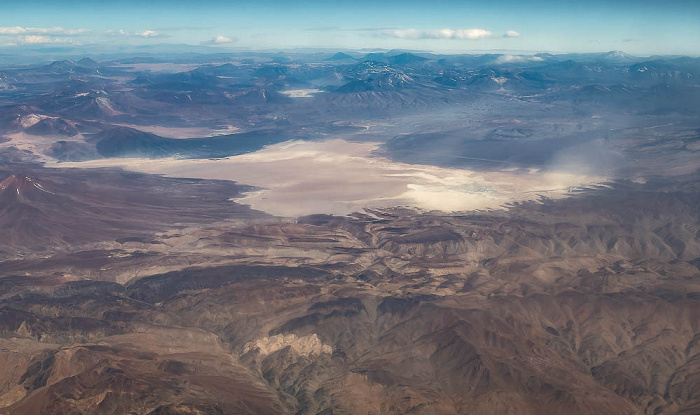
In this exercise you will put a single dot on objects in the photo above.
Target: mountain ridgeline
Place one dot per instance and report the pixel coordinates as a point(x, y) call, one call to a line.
point(520, 233)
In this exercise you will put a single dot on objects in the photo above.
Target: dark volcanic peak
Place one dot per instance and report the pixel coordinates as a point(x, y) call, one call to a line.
point(83, 66)
point(354, 87)
point(374, 57)
point(129, 142)
point(94, 105)
point(52, 127)
point(123, 141)
point(406, 59)
point(340, 56)
point(22, 187)
point(15, 181)
point(62, 65)
point(123, 132)
point(87, 62)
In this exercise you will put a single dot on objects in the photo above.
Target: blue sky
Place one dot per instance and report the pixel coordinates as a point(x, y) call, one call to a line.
point(639, 27)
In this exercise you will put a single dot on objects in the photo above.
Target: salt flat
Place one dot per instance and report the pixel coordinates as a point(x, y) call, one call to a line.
point(301, 93)
point(339, 177)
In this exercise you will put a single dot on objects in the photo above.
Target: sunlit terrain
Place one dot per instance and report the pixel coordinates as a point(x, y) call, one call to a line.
point(213, 208)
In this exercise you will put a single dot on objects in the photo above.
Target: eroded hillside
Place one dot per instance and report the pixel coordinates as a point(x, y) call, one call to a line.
point(585, 305)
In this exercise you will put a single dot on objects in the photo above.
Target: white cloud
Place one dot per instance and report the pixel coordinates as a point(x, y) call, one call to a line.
point(144, 33)
point(19, 35)
point(471, 34)
point(59, 31)
point(460, 34)
point(148, 33)
point(518, 59)
point(12, 30)
point(220, 40)
point(40, 39)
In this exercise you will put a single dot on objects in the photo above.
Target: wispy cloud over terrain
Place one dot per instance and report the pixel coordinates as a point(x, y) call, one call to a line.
point(518, 59)
point(21, 35)
point(459, 34)
point(27, 35)
point(40, 40)
point(19, 30)
point(220, 40)
point(138, 33)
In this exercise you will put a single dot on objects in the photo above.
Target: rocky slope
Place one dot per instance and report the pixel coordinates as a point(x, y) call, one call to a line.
point(586, 305)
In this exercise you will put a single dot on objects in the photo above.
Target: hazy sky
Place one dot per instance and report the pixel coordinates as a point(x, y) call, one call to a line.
point(639, 27)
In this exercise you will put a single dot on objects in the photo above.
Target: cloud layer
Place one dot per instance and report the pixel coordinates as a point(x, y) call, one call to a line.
point(19, 35)
point(56, 31)
point(143, 33)
point(460, 34)
point(40, 39)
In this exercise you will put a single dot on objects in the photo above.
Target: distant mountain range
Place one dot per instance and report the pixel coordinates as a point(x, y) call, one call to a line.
point(82, 102)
